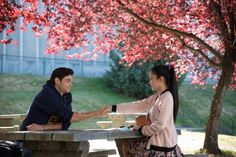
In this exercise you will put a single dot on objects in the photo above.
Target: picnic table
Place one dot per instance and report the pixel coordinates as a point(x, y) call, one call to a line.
point(121, 120)
point(73, 143)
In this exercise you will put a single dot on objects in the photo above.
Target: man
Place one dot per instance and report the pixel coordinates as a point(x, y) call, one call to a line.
point(51, 108)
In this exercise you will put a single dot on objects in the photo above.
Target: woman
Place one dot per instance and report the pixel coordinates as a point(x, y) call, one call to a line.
point(161, 110)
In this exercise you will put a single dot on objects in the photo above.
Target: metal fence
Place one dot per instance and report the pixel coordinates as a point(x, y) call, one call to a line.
point(190, 119)
point(44, 66)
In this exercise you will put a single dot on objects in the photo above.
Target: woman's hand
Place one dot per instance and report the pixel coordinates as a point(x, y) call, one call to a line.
point(135, 128)
point(140, 120)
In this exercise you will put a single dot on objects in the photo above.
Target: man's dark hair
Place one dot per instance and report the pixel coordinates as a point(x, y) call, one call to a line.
point(60, 73)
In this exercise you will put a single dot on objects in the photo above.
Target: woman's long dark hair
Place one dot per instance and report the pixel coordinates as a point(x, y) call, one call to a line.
point(168, 72)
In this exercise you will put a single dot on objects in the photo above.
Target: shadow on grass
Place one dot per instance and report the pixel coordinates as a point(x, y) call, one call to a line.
point(224, 153)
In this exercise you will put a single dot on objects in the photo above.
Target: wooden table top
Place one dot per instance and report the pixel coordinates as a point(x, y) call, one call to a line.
point(71, 135)
point(113, 114)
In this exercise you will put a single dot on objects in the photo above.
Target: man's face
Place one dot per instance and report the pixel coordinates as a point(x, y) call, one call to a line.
point(64, 86)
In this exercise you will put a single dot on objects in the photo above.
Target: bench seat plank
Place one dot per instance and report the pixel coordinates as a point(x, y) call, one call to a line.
point(101, 152)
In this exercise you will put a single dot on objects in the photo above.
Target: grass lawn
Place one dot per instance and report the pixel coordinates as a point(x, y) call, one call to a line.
point(18, 91)
point(197, 101)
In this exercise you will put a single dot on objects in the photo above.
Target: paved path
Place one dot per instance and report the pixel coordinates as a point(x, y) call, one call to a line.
point(188, 141)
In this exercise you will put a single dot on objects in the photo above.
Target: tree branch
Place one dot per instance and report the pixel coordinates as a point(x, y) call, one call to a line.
point(232, 26)
point(225, 30)
point(172, 31)
point(211, 62)
point(216, 8)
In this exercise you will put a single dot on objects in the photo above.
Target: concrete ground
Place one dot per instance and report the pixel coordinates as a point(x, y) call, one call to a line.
point(189, 142)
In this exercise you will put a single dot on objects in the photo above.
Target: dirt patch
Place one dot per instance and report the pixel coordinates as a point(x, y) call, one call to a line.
point(190, 142)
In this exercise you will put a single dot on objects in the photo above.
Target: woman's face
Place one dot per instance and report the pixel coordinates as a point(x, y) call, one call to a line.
point(154, 81)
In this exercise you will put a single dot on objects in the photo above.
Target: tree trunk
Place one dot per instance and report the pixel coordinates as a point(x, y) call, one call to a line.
point(211, 136)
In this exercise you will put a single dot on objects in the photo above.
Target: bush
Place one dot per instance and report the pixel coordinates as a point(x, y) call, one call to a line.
point(132, 81)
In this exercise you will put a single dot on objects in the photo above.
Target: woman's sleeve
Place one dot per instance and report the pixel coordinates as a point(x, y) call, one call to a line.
point(136, 106)
point(163, 119)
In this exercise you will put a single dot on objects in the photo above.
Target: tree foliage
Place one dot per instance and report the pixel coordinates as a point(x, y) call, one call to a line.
point(9, 13)
point(148, 29)
point(200, 32)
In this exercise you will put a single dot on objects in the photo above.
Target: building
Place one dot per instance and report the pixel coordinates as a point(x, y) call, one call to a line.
point(28, 57)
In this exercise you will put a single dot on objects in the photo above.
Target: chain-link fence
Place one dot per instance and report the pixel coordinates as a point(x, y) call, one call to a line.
point(44, 66)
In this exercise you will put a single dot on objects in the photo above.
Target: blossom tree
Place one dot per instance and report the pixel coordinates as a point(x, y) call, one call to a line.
point(199, 37)
point(9, 13)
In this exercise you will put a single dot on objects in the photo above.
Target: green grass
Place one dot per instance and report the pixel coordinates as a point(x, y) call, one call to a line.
point(18, 91)
point(90, 94)
point(197, 101)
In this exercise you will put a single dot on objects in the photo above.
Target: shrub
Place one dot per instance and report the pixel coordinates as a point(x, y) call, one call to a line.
point(132, 81)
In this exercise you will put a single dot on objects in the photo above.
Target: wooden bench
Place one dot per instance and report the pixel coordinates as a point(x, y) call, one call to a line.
point(101, 152)
point(10, 122)
point(11, 119)
point(9, 128)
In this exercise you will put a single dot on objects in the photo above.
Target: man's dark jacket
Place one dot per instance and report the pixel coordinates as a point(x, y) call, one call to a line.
point(49, 103)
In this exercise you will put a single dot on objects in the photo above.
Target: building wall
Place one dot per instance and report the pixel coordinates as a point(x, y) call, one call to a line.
point(28, 57)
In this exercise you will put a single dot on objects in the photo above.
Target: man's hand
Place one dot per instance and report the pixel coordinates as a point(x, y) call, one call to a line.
point(35, 127)
point(103, 112)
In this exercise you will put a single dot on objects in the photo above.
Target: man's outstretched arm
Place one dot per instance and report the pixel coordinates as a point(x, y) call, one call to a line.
point(42, 127)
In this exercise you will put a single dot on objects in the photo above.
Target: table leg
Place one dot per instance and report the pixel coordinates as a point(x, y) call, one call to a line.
point(58, 148)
